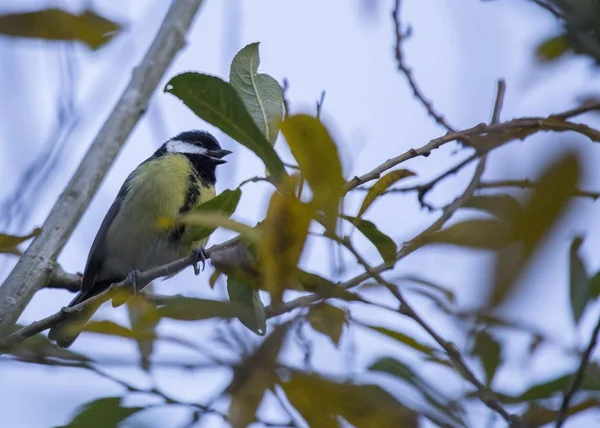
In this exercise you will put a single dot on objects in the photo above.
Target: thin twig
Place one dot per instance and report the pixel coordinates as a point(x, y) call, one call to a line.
point(400, 36)
point(423, 189)
point(578, 378)
point(256, 180)
point(286, 105)
point(320, 104)
point(528, 184)
point(586, 107)
point(550, 8)
point(500, 92)
point(30, 273)
point(501, 132)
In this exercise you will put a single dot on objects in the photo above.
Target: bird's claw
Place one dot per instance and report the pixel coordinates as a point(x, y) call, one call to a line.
point(134, 277)
point(200, 256)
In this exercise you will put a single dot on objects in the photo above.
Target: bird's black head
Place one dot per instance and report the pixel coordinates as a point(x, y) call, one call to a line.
point(201, 148)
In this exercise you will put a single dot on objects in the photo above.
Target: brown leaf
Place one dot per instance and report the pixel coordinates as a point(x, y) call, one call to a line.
point(328, 320)
point(253, 377)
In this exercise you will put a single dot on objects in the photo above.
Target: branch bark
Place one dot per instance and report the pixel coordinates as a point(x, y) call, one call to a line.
point(31, 272)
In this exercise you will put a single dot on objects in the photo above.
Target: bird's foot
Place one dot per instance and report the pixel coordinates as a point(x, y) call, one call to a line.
point(200, 256)
point(133, 278)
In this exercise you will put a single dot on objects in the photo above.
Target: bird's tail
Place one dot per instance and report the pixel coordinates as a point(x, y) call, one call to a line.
point(66, 331)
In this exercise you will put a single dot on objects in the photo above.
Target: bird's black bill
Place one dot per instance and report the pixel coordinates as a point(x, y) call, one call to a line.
point(217, 155)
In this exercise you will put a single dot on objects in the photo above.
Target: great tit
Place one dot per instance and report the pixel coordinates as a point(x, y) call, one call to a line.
point(178, 177)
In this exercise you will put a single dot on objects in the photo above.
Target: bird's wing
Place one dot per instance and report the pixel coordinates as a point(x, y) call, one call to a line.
point(97, 252)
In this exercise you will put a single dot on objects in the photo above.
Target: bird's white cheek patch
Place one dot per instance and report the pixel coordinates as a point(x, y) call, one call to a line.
point(183, 147)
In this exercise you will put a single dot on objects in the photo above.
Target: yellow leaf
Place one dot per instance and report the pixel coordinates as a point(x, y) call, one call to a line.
point(553, 48)
point(284, 233)
point(328, 320)
point(318, 159)
point(8, 243)
point(214, 278)
point(381, 186)
point(218, 219)
point(320, 401)
point(55, 24)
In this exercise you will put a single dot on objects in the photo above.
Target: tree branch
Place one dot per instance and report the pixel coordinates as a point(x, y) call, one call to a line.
point(578, 378)
point(228, 253)
point(528, 184)
point(30, 274)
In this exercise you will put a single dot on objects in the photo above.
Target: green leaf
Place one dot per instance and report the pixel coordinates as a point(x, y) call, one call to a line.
point(505, 207)
point(553, 48)
point(39, 344)
point(381, 186)
point(320, 401)
point(318, 158)
point(218, 103)
point(489, 352)
point(384, 244)
point(226, 202)
point(102, 413)
point(251, 309)
point(192, 309)
point(578, 281)
point(284, 233)
point(395, 368)
point(544, 209)
point(484, 234)
point(261, 94)
point(253, 377)
point(328, 320)
point(55, 24)
point(404, 339)
point(595, 286)
point(9, 243)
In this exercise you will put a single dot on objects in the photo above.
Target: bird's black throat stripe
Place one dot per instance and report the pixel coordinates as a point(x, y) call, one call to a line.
point(191, 196)
point(204, 168)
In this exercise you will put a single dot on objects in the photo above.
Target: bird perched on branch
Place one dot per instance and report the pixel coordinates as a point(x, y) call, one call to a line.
point(177, 178)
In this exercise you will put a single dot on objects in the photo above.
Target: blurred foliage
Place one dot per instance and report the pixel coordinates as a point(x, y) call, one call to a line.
point(54, 24)
point(580, 31)
point(308, 200)
point(102, 413)
point(9, 243)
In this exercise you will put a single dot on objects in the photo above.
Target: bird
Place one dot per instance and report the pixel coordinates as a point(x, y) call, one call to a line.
point(176, 179)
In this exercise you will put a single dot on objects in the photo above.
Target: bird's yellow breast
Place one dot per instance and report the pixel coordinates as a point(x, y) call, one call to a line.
point(158, 189)
point(162, 187)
